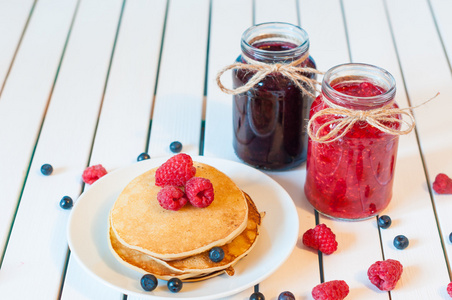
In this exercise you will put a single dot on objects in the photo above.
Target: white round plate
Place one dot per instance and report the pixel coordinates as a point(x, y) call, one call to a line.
point(88, 233)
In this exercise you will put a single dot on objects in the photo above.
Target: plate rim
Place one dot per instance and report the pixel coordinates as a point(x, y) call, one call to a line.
point(214, 161)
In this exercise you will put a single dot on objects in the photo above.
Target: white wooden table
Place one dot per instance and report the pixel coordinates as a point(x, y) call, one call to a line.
point(100, 81)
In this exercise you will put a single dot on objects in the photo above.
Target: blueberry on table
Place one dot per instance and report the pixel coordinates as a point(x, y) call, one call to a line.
point(216, 254)
point(286, 296)
point(143, 156)
point(174, 285)
point(175, 147)
point(46, 169)
point(66, 202)
point(148, 282)
point(384, 222)
point(401, 242)
point(450, 237)
point(257, 296)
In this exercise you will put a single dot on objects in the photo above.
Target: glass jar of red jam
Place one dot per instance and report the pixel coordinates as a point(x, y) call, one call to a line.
point(351, 178)
point(270, 119)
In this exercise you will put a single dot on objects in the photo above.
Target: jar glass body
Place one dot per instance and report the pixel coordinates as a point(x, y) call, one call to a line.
point(352, 178)
point(269, 120)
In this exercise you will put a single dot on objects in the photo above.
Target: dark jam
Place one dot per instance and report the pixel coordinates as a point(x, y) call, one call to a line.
point(270, 119)
point(351, 178)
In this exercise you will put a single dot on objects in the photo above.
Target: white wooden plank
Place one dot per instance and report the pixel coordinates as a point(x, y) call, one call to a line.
point(328, 41)
point(124, 120)
point(329, 48)
point(269, 11)
point(441, 13)
point(13, 18)
point(37, 248)
point(24, 99)
point(224, 45)
point(179, 100)
point(438, 160)
point(426, 71)
point(224, 48)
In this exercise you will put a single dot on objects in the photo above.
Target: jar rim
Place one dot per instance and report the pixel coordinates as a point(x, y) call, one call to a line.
point(284, 32)
point(362, 72)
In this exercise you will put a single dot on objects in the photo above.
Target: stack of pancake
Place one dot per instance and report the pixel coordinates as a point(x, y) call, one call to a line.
point(150, 239)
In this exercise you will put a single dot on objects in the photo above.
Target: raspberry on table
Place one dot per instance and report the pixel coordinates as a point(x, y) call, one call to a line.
point(442, 184)
point(331, 290)
point(199, 191)
point(385, 274)
point(175, 171)
point(320, 238)
point(93, 173)
point(449, 289)
point(171, 198)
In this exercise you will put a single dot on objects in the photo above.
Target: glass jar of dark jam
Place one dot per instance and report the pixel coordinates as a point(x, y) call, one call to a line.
point(351, 178)
point(270, 119)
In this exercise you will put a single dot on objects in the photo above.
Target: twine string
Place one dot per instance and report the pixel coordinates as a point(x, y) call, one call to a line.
point(290, 71)
point(378, 118)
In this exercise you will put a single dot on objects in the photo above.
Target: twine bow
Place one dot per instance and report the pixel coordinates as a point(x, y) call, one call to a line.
point(375, 117)
point(291, 71)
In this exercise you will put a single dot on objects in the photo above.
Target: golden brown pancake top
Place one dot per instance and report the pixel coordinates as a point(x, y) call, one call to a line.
point(140, 223)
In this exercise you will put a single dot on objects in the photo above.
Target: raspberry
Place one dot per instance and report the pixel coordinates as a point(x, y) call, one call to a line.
point(91, 174)
point(385, 274)
point(449, 289)
point(199, 192)
point(442, 184)
point(175, 171)
point(331, 290)
point(171, 198)
point(320, 238)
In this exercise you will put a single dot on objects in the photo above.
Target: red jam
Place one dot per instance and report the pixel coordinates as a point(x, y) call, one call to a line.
point(351, 178)
point(270, 120)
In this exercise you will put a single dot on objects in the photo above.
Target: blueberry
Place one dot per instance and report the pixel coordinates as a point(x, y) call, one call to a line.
point(143, 156)
point(148, 282)
point(450, 237)
point(257, 296)
point(175, 147)
point(66, 202)
point(174, 285)
point(216, 254)
point(46, 169)
point(401, 242)
point(384, 222)
point(286, 296)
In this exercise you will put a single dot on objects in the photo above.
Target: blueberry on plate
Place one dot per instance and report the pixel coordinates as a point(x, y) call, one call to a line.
point(174, 285)
point(148, 282)
point(175, 147)
point(143, 156)
point(384, 221)
point(286, 295)
point(401, 242)
point(66, 202)
point(216, 254)
point(450, 237)
point(257, 296)
point(46, 169)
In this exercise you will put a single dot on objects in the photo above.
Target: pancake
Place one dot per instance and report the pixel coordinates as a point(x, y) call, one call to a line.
point(197, 267)
point(141, 224)
point(141, 262)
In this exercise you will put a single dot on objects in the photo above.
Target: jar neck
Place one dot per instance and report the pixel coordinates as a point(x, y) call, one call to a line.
point(359, 75)
point(274, 43)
